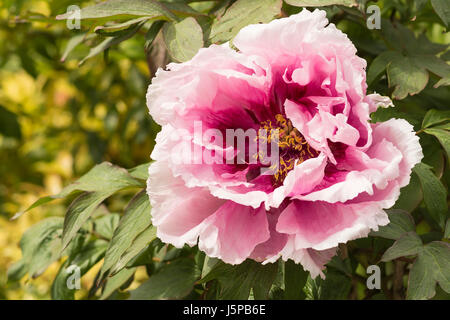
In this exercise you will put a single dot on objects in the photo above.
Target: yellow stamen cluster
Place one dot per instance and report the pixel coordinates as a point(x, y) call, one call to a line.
point(292, 145)
point(289, 137)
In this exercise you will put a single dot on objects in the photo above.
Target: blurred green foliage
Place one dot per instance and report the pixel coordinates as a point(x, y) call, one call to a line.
point(58, 119)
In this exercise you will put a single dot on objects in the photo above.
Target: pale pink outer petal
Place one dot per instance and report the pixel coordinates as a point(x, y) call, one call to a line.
point(401, 133)
point(312, 260)
point(177, 211)
point(192, 84)
point(275, 243)
point(177, 147)
point(182, 215)
point(288, 36)
point(305, 36)
point(321, 225)
point(250, 198)
point(173, 145)
point(233, 232)
point(375, 101)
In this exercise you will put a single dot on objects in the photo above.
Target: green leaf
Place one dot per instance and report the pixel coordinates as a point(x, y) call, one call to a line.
point(17, 271)
point(123, 9)
point(208, 264)
point(434, 117)
point(109, 42)
point(136, 219)
point(74, 42)
point(335, 286)
point(139, 243)
point(116, 281)
point(409, 67)
point(59, 289)
point(104, 177)
point(443, 82)
point(75, 246)
point(400, 222)
point(444, 139)
point(447, 229)
point(37, 203)
point(236, 281)
point(9, 125)
point(183, 39)
point(410, 195)
point(406, 77)
point(321, 3)
point(41, 245)
point(105, 225)
point(379, 64)
point(434, 65)
point(256, 11)
point(431, 266)
point(264, 280)
point(174, 281)
point(150, 36)
point(92, 253)
point(407, 245)
point(144, 257)
point(79, 212)
point(442, 8)
point(118, 29)
point(342, 265)
point(182, 9)
point(107, 179)
point(294, 281)
point(434, 193)
point(384, 114)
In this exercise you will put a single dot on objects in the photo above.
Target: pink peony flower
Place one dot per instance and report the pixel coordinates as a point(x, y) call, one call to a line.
point(336, 172)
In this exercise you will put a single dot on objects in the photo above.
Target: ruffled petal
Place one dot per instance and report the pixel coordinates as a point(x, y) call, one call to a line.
point(402, 135)
point(312, 260)
point(300, 180)
point(233, 232)
point(216, 76)
point(363, 173)
point(178, 211)
point(275, 243)
point(290, 36)
point(321, 225)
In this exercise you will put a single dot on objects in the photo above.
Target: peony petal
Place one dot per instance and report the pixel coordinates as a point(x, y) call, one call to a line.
point(312, 260)
point(198, 82)
point(402, 135)
point(375, 100)
point(177, 211)
point(302, 179)
point(233, 232)
point(368, 171)
point(289, 36)
point(321, 225)
point(275, 243)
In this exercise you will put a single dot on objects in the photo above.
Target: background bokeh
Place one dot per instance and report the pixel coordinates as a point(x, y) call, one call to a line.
point(58, 119)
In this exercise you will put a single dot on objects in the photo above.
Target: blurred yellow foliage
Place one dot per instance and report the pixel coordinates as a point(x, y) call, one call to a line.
point(69, 118)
